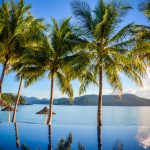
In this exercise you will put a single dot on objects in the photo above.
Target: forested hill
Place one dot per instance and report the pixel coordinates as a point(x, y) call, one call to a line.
point(91, 100)
point(10, 98)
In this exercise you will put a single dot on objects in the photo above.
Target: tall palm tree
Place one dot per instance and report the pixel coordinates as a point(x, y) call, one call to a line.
point(106, 47)
point(58, 48)
point(16, 33)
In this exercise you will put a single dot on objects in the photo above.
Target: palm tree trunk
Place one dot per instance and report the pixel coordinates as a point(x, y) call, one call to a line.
point(49, 121)
point(99, 112)
point(17, 101)
point(2, 77)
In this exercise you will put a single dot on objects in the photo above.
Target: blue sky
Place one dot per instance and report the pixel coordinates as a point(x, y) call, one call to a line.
point(60, 9)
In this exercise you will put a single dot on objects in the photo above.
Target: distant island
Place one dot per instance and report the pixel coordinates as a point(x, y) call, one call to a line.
point(91, 100)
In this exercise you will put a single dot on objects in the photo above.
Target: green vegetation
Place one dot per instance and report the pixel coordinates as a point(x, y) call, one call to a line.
point(10, 98)
point(91, 50)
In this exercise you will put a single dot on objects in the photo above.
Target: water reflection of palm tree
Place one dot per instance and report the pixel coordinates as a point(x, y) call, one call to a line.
point(118, 146)
point(9, 110)
point(18, 145)
point(50, 137)
point(99, 137)
point(17, 136)
point(65, 144)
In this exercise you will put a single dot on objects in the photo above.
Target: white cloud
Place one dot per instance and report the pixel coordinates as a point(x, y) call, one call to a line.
point(143, 137)
point(145, 90)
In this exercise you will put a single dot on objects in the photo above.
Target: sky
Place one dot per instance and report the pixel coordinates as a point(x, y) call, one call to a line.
point(60, 9)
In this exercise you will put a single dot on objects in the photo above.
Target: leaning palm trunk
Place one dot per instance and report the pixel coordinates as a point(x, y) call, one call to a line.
point(49, 121)
point(99, 113)
point(2, 77)
point(17, 102)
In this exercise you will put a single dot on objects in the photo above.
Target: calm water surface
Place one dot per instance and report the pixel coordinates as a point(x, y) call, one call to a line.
point(84, 115)
point(124, 128)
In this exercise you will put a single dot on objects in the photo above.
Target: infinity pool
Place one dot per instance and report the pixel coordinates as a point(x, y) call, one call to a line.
point(37, 136)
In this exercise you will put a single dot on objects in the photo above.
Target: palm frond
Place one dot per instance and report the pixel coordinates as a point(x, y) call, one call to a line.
point(64, 85)
point(82, 11)
point(144, 7)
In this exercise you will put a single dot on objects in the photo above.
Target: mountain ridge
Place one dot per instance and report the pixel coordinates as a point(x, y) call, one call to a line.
point(91, 100)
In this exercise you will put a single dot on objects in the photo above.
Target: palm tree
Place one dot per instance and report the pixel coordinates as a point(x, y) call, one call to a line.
point(17, 33)
point(26, 71)
point(25, 74)
point(106, 48)
point(30, 75)
point(58, 49)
